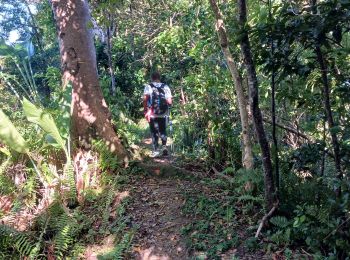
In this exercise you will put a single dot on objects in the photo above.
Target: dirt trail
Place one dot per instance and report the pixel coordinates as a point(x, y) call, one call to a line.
point(156, 212)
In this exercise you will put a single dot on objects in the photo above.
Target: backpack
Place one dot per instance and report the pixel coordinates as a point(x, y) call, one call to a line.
point(158, 101)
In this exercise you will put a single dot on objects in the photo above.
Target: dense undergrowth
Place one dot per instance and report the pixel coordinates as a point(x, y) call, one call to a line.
point(226, 217)
point(66, 229)
point(54, 207)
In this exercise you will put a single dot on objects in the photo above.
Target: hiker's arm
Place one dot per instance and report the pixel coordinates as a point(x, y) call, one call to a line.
point(146, 96)
point(168, 96)
point(145, 103)
point(147, 112)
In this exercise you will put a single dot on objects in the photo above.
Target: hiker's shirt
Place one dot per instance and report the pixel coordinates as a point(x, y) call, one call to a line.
point(148, 91)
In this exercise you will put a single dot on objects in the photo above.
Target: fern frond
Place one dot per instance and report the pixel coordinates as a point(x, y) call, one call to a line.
point(34, 253)
point(279, 221)
point(248, 197)
point(109, 199)
point(278, 237)
point(70, 176)
point(120, 248)
point(13, 240)
point(66, 230)
point(311, 210)
point(107, 160)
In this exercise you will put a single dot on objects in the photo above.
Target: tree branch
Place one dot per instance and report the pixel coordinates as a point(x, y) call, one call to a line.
point(289, 129)
point(266, 218)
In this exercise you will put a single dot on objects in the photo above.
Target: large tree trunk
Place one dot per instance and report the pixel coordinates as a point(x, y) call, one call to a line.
point(242, 103)
point(254, 102)
point(90, 114)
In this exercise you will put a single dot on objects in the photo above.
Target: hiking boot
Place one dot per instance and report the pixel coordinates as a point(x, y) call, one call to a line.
point(164, 151)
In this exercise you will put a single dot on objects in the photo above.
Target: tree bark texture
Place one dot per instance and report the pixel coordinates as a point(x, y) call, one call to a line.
point(273, 107)
point(270, 189)
point(90, 114)
point(327, 104)
point(328, 109)
point(247, 155)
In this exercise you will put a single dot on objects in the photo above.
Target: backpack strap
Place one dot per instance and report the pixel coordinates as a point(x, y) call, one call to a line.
point(149, 103)
point(153, 86)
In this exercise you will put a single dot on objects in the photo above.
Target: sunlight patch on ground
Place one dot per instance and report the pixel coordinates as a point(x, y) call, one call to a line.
point(93, 251)
point(148, 254)
point(161, 160)
point(108, 244)
point(117, 200)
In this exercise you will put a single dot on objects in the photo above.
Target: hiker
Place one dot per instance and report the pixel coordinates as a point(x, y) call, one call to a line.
point(156, 101)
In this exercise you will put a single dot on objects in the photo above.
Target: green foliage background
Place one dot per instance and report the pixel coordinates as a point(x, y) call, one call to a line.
point(178, 38)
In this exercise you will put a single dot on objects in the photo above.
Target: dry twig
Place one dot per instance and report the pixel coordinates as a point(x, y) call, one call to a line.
point(266, 218)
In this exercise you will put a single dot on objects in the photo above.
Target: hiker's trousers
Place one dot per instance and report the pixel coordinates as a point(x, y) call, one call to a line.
point(158, 130)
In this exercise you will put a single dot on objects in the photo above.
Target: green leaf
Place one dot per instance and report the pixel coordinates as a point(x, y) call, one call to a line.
point(7, 50)
point(5, 151)
point(51, 141)
point(296, 222)
point(10, 136)
point(335, 129)
point(279, 221)
point(44, 120)
point(229, 170)
point(308, 241)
